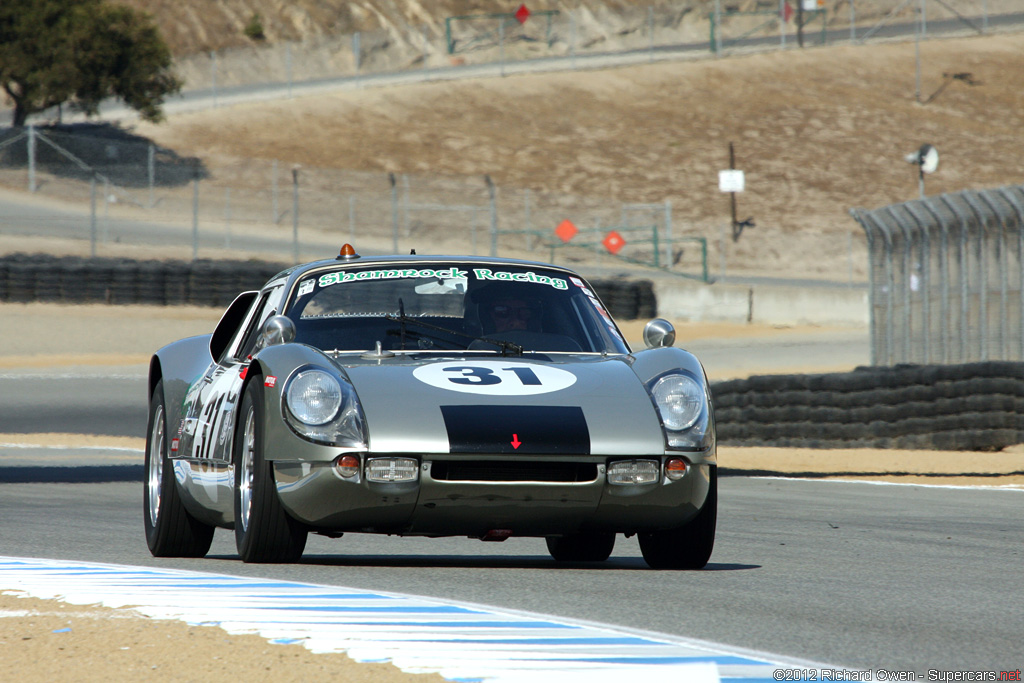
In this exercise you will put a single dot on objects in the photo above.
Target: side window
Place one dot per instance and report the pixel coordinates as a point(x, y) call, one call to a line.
point(251, 340)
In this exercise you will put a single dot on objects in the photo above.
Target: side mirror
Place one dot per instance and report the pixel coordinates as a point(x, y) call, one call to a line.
point(659, 332)
point(278, 329)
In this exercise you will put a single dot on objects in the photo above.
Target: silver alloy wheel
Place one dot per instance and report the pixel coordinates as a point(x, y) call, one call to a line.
point(246, 473)
point(155, 472)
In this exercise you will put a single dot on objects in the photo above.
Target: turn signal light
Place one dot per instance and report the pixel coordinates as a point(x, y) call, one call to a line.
point(347, 466)
point(675, 468)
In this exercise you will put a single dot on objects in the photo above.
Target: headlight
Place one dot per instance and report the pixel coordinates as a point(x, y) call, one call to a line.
point(680, 401)
point(314, 397)
point(322, 408)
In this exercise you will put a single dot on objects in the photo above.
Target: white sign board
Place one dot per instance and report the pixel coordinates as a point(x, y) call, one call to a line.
point(730, 181)
point(813, 5)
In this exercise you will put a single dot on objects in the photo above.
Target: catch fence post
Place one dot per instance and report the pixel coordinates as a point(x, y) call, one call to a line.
point(295, 213)
point(31, 158)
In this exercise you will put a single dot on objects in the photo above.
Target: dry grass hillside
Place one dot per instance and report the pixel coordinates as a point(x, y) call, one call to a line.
point(817, 131)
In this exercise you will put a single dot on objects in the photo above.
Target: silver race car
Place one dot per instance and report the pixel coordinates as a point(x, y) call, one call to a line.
point(429, 396)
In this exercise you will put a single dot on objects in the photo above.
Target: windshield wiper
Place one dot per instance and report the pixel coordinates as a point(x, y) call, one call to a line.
point(506, 347)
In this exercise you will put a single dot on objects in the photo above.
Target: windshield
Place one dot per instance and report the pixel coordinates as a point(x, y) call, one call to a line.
point(443, 307)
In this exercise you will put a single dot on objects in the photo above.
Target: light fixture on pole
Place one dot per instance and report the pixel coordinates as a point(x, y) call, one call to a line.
point(927, 160)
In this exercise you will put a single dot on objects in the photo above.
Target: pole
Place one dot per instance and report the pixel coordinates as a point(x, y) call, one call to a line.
point(394, 213)
point(227, 218)
point(273, 193)
point(195, 213)
point(151, 167)
point(917, 56)
point(782, 24)
point(92, 215)
point(295, 214)
point(494, 215)
point(213, 76)
point(717, 28)
point(31, 158)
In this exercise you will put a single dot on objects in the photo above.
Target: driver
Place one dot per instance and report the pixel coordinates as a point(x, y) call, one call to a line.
point(512, 313)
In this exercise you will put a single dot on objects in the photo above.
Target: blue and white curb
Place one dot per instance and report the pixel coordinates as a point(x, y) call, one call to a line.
point(459, 641)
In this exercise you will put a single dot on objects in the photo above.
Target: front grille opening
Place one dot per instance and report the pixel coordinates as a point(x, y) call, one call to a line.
point(496, 470)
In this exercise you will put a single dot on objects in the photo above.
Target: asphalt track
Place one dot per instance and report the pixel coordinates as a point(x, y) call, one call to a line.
point(858, 575)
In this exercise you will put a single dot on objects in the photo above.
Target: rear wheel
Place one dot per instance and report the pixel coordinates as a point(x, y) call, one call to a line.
point(688, 546)
point(589, 547)
point(264, 532)
point(170, 530)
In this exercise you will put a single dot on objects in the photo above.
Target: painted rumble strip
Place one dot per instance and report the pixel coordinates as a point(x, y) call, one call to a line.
point(462, 642)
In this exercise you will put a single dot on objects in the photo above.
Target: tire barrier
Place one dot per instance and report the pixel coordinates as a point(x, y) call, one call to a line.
point(72, 279)
point(627, 299)
point(75, 280)
point(969, 407)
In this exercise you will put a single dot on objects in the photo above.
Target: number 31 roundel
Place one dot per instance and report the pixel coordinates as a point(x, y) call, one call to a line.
point(495, 378)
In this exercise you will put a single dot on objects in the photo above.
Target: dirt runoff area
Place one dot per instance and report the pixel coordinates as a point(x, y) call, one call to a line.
point(44, 640)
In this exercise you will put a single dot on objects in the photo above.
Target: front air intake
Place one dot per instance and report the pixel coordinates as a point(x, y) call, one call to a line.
point(493, 470)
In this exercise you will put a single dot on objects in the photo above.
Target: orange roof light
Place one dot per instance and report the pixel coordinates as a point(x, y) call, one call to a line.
point(347, 253)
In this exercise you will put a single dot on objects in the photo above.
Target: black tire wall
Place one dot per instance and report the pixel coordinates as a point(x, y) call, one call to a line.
point(72, 279)
point(970, 407)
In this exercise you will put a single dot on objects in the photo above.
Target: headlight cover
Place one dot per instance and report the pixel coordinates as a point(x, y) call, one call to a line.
point(324, 409)
point(681, 403)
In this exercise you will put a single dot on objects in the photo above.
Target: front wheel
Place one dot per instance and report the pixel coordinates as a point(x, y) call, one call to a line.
point(592, 547)
point(170, 530)
point(688, 546)
point(264, 531)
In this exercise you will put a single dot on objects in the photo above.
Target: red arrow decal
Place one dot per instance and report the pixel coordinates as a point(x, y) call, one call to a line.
point(515, 441)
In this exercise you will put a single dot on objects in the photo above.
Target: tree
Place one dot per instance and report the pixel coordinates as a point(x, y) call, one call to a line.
point(80, 52)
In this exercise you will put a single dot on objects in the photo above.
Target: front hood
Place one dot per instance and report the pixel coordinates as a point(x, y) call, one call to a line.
point(575, 405)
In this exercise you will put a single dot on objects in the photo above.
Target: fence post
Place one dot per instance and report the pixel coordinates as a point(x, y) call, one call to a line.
point(1018, 208)
point(1002, 265)
point(213, 76)
point(357, 54)
point(964, 277)
point(351, 218)
point(273, 193)
point(905, 283)
point(668, 233)
point(394, 213)
point(528, 237)
point(979, 216)
point(195, 213)
point(31, 158)
point(151, 170)
point(295, 213)
point(92, 214)
point(227, 218)
point(945, 319)
point(494, 213)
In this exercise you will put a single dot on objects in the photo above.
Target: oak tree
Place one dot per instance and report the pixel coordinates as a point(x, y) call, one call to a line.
point(80, 52)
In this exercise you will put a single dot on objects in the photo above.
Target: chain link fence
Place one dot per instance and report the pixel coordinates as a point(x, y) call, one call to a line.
point(135, 192)
point(946, 278)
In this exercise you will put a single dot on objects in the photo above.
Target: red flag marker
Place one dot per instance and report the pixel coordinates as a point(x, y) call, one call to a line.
point(515, 441)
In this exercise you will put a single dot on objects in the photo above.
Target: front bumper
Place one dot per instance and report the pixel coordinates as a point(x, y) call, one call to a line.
point(442, 504)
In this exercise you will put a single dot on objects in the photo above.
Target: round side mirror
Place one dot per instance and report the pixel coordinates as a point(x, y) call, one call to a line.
point(659, 332)
point(278, 329)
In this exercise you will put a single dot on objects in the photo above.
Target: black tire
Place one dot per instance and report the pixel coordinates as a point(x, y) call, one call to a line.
point(170, 530)
point(688, 546)
point(264, 532)
point(587, 547)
